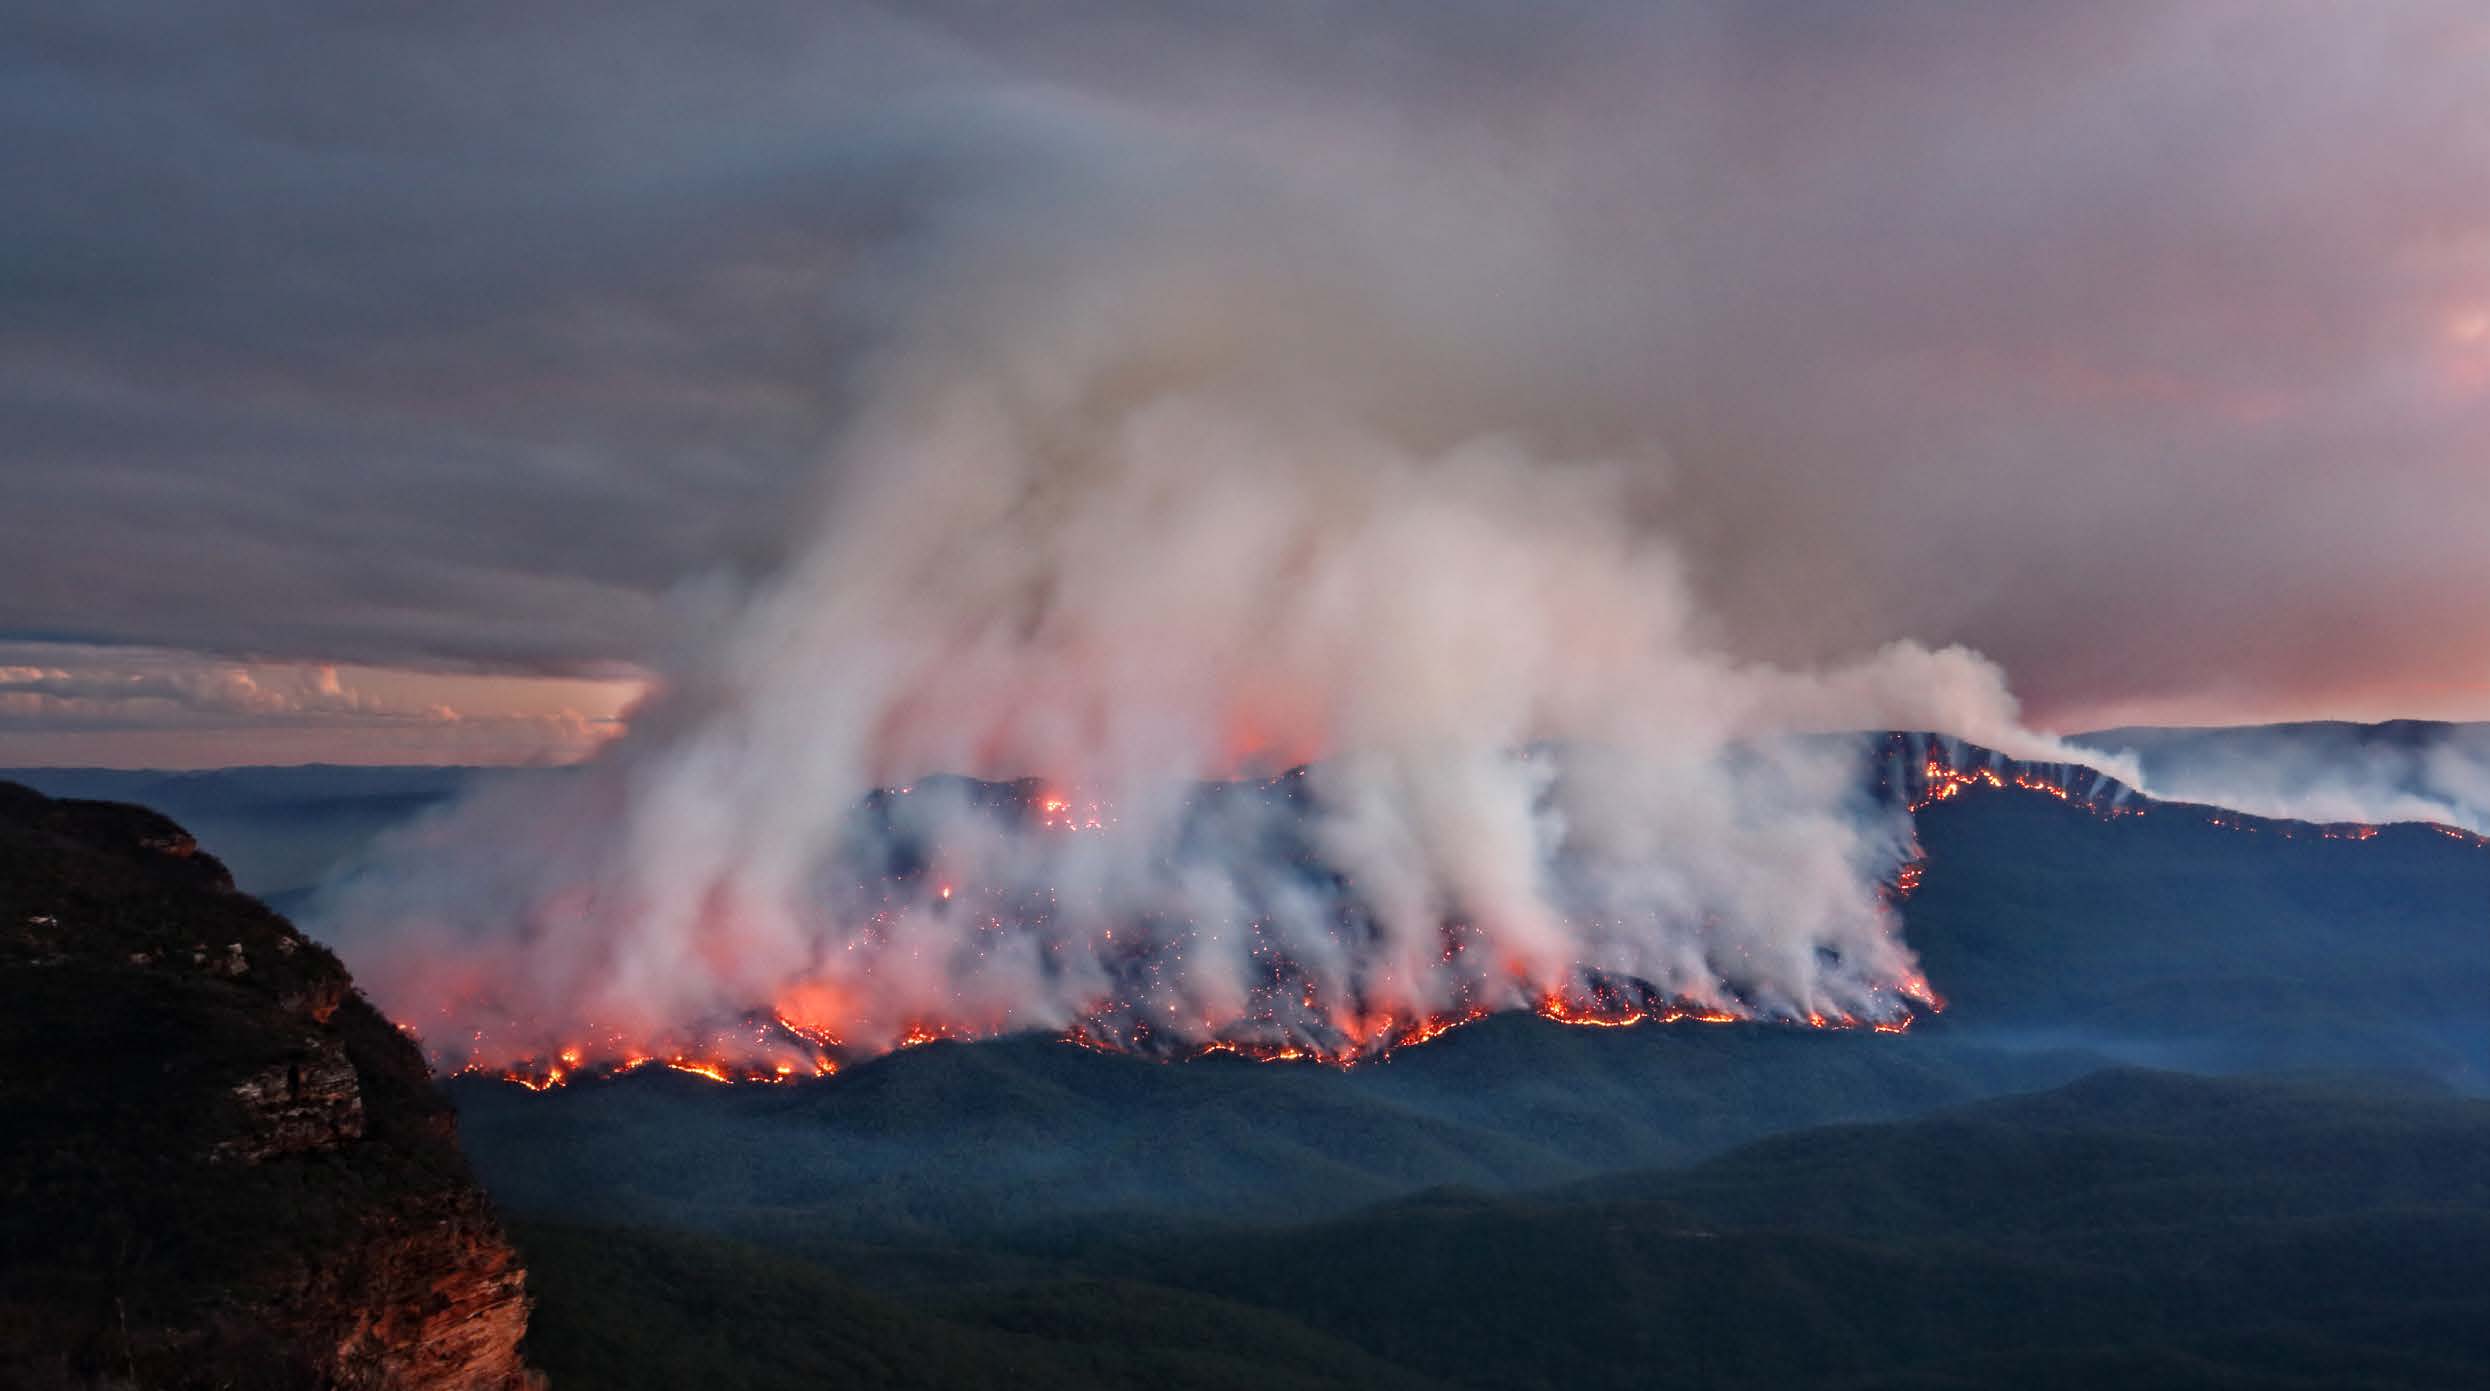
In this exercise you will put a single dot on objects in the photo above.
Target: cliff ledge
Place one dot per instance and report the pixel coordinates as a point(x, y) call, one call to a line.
point(220, 1166)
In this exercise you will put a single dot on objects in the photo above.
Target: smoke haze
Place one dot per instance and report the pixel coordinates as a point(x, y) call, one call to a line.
point(1167, 469)
point(2374, 774)
point(1534, 414)
point(2143, 349)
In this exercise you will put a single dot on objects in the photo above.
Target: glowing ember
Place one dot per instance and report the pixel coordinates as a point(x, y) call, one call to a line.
point(1058, 813)
point(1906, 880)
point(817, 1023)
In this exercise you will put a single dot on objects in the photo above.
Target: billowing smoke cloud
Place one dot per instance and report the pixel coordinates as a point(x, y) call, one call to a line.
point(1166, 467)
point(2144, 348)
point(2374, 774)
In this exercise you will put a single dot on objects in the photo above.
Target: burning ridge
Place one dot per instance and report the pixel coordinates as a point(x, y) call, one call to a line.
point(1914, 771)
point(1289, 1019)
point(1922, 770)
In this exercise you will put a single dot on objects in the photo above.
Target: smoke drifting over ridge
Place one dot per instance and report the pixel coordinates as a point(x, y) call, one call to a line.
point(1163, 468)
point(2398, 771)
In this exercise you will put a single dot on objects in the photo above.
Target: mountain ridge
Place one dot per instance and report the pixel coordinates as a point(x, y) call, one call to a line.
point(224, 1167)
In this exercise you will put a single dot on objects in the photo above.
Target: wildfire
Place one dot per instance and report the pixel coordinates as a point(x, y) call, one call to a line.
point(1906, 880)
point(1434, 1027)
point(1056, 812)
point(764, 1049)
point(817, 1024)
point(765, 1054)
point(720, 1070)
point(1607, 1009)
point(1941, 781)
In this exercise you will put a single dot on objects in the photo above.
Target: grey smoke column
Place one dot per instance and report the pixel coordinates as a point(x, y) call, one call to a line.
point(1163, 466)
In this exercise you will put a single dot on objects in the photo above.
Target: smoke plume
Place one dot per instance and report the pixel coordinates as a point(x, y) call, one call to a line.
point(1160, 469)
point(2322, 772)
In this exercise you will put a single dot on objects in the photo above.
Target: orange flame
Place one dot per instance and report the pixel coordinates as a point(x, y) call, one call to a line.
point(801, 1036)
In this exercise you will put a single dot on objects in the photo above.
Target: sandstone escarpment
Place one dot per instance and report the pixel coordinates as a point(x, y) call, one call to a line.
point(220, 1166)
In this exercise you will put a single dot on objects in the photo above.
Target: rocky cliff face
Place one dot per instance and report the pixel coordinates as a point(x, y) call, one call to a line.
point(219, 1166)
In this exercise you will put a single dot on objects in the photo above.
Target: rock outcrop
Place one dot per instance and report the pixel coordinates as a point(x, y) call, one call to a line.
point(219, 1166)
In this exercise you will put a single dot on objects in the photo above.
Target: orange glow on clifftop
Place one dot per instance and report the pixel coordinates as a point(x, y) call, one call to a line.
point(814, 1024)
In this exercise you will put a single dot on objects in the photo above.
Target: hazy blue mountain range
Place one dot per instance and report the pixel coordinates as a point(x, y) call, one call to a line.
point(2204, 1108)
point(2132, 1228)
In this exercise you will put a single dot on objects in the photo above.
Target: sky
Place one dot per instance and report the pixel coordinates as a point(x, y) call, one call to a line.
point(405, 384)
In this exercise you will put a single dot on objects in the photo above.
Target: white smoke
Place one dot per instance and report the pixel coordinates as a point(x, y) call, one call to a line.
point(2326, 773)
point(1161, 475)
